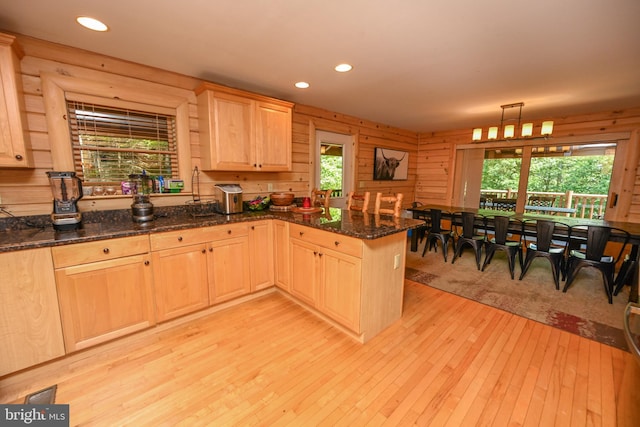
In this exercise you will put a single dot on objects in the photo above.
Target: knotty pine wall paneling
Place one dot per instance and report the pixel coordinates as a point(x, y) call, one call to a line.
point(27, 192)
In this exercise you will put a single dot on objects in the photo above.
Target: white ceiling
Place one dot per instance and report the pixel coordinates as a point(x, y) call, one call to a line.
point(422, 65)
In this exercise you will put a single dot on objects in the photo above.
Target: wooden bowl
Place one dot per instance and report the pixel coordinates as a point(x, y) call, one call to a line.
point(282, 199)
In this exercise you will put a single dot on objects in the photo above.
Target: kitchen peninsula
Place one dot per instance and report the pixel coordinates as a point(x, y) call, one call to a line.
point(114, 277)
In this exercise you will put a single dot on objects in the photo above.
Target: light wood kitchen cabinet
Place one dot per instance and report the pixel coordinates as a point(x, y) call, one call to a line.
point(15, 150)
point(281, 254)
point(358, 283)
point(340, 285)
point(30, 328)
point(261, 254)
point(104, 290)
point(180, 281)
point(304, 271)
point(241, 131)
point(180, 273)
point(195, 268)
point(273, 136)
point(326, 273)
point(229, 276)
point(228, 261)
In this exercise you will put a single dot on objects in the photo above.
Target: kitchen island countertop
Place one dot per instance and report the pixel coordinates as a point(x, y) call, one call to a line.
point(114, 224)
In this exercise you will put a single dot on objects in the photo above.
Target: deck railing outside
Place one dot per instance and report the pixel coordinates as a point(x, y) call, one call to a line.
point(580, 205)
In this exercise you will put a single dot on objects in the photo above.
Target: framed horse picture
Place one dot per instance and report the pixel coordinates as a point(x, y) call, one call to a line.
point(390, 165)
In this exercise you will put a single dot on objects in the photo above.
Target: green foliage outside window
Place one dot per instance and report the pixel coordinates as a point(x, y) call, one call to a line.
point(581, 174)
point(331, 169)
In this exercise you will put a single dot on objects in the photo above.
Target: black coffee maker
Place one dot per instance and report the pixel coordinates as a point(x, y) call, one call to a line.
point(67, 190)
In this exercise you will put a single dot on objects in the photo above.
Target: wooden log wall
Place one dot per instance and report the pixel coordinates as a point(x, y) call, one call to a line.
point(27, 192)
point(436, 152)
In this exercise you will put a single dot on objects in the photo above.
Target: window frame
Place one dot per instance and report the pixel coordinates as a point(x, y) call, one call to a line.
point(467, 168)
point(119, 92)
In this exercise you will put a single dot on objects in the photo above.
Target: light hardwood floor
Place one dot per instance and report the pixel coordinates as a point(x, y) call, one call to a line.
point(448, 361)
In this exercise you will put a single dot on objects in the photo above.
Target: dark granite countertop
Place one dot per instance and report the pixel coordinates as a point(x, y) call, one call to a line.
point(32, 232)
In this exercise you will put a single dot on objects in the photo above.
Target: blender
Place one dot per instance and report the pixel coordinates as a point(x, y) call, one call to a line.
point(67, 190)
point(141, 187)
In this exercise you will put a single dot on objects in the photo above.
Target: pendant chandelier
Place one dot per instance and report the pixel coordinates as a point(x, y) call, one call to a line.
point(508, 128)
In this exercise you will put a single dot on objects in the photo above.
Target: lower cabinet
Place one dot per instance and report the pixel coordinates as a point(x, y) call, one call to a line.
point(281, 254)
point(339, 296)
point(229, 275)
point(261, 254)
point(305, 271)
point(104, 290)
point(325, 277)
point(30, 330)
point(180, 280)
point(195, 268)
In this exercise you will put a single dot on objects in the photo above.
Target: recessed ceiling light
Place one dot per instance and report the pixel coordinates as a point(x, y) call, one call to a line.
point(91, 23)
point(343, 68)
point(302, 85)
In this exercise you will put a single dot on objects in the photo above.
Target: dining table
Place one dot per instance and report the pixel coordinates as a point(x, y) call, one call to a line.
point(449, 212)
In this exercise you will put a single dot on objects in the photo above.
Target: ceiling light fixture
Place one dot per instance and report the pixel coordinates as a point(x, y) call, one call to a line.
point(343, 68)
point(508, 130)
point(91, 23)
point(302, 85)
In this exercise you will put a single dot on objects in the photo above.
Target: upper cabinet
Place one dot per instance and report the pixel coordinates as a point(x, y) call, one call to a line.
point(242, 131)
point(14, 146)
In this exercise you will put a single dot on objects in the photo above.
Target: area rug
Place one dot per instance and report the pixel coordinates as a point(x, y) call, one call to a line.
point(582, 310)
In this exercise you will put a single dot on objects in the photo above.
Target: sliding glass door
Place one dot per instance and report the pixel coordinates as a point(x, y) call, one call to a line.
point(569, 179)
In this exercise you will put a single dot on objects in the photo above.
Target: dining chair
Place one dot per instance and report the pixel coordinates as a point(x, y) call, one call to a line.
point(469, 236)
point(358, 202)
point(540, 201)
point(436, 233)
point(505, 228)
point(320, 198)
point(595, 252)
point(548, 241)
point(508, 205)
point(388, 205)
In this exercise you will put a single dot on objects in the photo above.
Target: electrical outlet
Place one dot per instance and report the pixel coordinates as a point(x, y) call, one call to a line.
point(396, 262)
point(269, 187)
point(361, 184)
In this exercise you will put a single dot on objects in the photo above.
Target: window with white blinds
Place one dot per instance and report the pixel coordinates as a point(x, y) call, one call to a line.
point(111, 143)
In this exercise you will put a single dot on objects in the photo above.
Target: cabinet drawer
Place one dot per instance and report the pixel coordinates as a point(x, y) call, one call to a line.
point(176, 239)
point(82, 253)
point(335, 241)
point(226, 231)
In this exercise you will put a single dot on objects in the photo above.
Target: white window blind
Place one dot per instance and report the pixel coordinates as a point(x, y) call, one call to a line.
point(111, 143)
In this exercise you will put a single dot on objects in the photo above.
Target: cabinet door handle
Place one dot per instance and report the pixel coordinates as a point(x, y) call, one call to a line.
point(204, 251)
point(179, 238)
point(228, 231)
point(320, 254)
point(211, 249)
point(147, 262)
point(18, 156)
point(105, 250)
point(337, 243)
point(315, 253)
point(253, 227)
point(301, 233)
